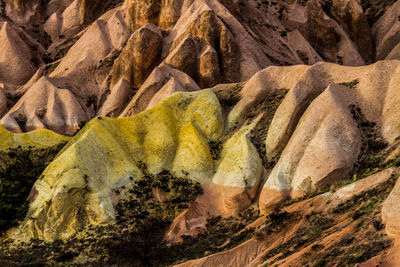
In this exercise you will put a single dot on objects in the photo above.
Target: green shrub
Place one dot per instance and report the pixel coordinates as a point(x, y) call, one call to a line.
point(20, 168)
point(351, 84)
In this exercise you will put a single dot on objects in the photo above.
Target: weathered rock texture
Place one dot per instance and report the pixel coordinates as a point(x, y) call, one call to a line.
point(315, 146)
point(39, 139)
point(104, 157)
point(285, 109)
point(107, 53)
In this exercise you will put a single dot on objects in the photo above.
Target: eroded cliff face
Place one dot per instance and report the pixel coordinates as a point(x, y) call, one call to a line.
point(200, 142)
point(115, 58)
point(313, 128)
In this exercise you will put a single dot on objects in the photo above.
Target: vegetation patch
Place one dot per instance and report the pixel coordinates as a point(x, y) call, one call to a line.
point(228, 94)
point(368, 238)
point(267, 107)
point(19, 169)
point(114, 4)
point(372, 146)
point(216, 149)
point(222, 234)
point(360, 215)
point(135, 239)
point(175, 195)
point(304, 236)
point(367, 201)
point(351, 84)
point(49, 68)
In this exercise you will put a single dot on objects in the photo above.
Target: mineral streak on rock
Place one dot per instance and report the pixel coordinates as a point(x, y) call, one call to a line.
point(199, 132)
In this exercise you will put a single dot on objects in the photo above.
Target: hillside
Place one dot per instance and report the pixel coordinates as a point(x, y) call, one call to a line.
point(200, 133)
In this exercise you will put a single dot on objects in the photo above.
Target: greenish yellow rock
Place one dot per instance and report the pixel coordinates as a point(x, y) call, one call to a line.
point(239, 172)
point(93, 170)
point(240, 165)
point(37, 139)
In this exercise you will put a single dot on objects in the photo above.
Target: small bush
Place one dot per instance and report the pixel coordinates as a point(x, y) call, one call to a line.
point(351, 84)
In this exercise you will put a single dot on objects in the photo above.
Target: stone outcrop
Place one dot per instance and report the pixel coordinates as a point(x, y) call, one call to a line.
point(46, 106)
point(322, 149)
point(139, 56)
point(174, 135)
point(256, 251)
point(162, 82)
point(286, 127)
point(15, 61)
point(278, 120)
point(105, 52)
point(105, 155)
point(386, 32)
point(390, 212)
point(38, 139)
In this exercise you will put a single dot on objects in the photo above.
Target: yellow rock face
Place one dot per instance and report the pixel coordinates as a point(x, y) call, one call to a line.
point(37, 139)
point(93, 170)
point(239, 172)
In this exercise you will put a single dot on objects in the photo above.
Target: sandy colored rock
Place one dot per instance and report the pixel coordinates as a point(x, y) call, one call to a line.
point(171, 87)
point(287, 117)
point(364, 185)
point(154, 83)
point(209, 73)
point(386, 32)
point(310, 83)
point(68, 17)
point(327, 132)
point(21, 11)
point(45, 105)
point(254, 251)
point(227, 38)
point(108, 33)
point(352, 19)
point(390, 212)
point(116, 100)
point(306, 84)
point(262, 84)
point(304, 51)
point(3, 103)
point(210, 41)
point(82, 72)
point(15, 60)
point(241, 168)
point(221, 39)
point(184, 57)
point(329, 37)
point(313, 81)
point(139, 56)
point(162, 13)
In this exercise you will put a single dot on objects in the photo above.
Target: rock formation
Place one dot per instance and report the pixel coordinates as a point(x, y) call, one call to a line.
point(199, 133)
point(90, 47)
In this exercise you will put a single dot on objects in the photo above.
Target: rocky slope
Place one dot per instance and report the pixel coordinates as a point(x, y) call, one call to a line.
point(218, 133)
point(118, 58)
